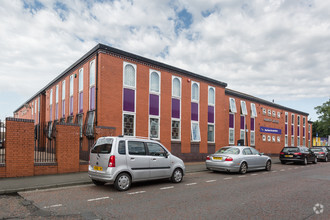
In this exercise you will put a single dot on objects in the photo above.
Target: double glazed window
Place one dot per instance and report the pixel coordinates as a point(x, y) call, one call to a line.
point(129, 93)
point(195, 130)
point(63, 99)
point(80, 90)
point(232, 111)
point(71, 96)
point(210, 114)
point(92, 77)
point(176, 109)
point(154, 104)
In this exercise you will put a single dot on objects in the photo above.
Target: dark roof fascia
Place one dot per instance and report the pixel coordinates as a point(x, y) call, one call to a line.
point(261, 101)
point(162, 65)
point(105, 48)
point(73, 66)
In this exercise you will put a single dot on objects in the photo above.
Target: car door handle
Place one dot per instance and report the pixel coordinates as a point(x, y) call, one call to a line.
point(154, 159)
point(132, 158)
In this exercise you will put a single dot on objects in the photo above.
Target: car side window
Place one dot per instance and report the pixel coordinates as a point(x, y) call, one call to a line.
point(247, 151)
point(136, 148)
point(156, 150)
point(254, 151)
point(122, 147)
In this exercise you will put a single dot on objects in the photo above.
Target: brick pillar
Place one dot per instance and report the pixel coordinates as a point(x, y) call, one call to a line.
point(19, 147)
point(67, 147)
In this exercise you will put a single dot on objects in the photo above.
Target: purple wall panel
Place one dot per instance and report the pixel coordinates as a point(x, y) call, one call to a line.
point(298, 131)
point(81, 102)
point(153, 104)
point(242, 122)
point(92, 98)
point(175, 108)
point(129, 100)
point(292, 130)
point(286, 129)
point(194, 111)
point(231, 120)
point(63, 108)
point(303, 132)
point(71, 105)
point(210, 115)
point(252, 124)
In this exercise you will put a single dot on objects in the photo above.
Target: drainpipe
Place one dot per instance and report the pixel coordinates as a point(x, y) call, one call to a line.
point(96, 85)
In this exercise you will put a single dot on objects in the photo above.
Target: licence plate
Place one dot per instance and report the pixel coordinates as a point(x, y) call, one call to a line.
point(98, 168)
point(288, 155)
point(217, 158)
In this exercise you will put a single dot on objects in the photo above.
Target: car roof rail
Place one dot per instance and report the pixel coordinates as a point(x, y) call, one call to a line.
point(140, 137)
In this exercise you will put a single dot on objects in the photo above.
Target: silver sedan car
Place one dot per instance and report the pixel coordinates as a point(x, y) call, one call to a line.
point(238, 159)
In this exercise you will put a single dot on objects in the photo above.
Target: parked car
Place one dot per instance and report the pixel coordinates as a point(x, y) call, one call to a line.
point(297, 155)
point(322, 153)
point(122, 160)
point(238, 159)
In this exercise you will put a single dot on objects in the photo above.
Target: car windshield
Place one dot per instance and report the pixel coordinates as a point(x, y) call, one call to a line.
point(228, 150)
point(290, 149)
point(103, 146)
point(316, 149)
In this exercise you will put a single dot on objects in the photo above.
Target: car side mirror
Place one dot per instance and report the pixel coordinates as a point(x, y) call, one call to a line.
point(166, 155)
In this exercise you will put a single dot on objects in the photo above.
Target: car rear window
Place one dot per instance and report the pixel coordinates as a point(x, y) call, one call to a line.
point(228, 150)
point(102, 146)
point(316, 149)
point(290, 149)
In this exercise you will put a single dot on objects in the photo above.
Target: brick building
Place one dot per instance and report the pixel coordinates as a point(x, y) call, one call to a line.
point(192, 115)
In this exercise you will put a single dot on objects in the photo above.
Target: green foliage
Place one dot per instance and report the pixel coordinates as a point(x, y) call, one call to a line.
point(322, 125)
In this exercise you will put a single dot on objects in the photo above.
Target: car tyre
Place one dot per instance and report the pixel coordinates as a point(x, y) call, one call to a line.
point(98, 183)
point(177, 176)
point(305, 161)
point(243, 168)
point(283, 162)
point(268, 165)
point(315, 160)
point(123, 182)
point(326, 159)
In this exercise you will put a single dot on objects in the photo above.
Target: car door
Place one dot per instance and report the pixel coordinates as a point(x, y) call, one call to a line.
point(258, 160)
point(160, 162)
point(248, 157)
point(138, 160)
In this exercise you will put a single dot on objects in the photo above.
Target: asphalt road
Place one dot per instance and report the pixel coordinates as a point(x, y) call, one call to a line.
point(286, 192)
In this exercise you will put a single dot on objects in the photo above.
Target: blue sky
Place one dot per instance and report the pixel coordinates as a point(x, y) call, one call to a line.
point(272, 49)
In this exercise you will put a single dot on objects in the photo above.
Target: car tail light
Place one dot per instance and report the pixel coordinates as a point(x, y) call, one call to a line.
point(229, 159)
point(208, 158)
point(112, 161)
point(298, 154)
point(282, 153)
point(321, 153)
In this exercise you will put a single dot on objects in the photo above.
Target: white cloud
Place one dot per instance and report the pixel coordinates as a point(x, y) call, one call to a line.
point(271, 49)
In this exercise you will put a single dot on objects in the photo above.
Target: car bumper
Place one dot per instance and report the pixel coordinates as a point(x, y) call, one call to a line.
point(228, 166)
point(321, 157)
point(292, 159)
point(101, 176)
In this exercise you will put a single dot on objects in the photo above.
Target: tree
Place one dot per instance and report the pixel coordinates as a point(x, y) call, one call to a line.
point(322, 125)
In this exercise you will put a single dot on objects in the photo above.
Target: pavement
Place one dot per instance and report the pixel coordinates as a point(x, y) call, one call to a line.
point(18, 184)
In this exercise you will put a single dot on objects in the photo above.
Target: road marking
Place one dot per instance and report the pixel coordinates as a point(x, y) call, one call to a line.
point(101, 198)
point(134, 193)
point(282, 170)
point(170, 187)
point(274, 171)
point(52, 206)
point(228, 178)
point(254, 174)
point(210, 181)
point(190, 184)
point(241, 176)
point(290, 168)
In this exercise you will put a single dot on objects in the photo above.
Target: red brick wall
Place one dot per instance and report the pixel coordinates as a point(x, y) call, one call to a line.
point(67, 148)
point(45, 170)
point(104, 131)
point(2, 171)
point(19, 147)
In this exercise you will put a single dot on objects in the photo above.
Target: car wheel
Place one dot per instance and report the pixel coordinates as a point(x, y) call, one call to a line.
point(305, 161)
point(98, 183)
point(268, 165)
point(243, 168)
point(315, 160)
point(123, 182)
point(283, 162)
point(177, 176)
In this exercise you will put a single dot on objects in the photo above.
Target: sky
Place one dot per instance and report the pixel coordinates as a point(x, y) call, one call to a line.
point(272, 49)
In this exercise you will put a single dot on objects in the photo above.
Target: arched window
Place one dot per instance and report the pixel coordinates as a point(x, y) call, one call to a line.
point(176, 90)
point(129, 77)
point(195, 95)
point(211, 96)
point(154, 82)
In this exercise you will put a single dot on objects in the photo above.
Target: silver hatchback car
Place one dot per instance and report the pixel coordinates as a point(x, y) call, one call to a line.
point(238, 159)
point(122, 160)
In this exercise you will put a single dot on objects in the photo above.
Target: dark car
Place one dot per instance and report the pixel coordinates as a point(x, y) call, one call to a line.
point(297, 155)
point(322, 153)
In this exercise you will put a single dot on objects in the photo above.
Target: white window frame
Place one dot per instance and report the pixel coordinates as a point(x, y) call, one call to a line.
point(129, 113)
point(92, 73)
point(159, 82)
point(149, 130)
point(210, 124)
point(208, 97)
point(243, 108)
point(63, 90)
point(279, 139)
point(293, 130)
point(199, 131)
point(56, 95)
point(71, 85)
point(269, 138)
point(253, 110)
point(254, 133)
point(273, 139)
point(180, 80)
point(81, 80)
point(35, 106)
point(232, 108)
point(274, 114)
point(298, 127)
point(264, 138)
point(51, 97)
point(32, 110)
point(269, 112)
point(193, 121)
point(179, 98)
point(264, 111)
point(232, 130)
point(198, 93)
point(278, 114)
point(135, 78)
